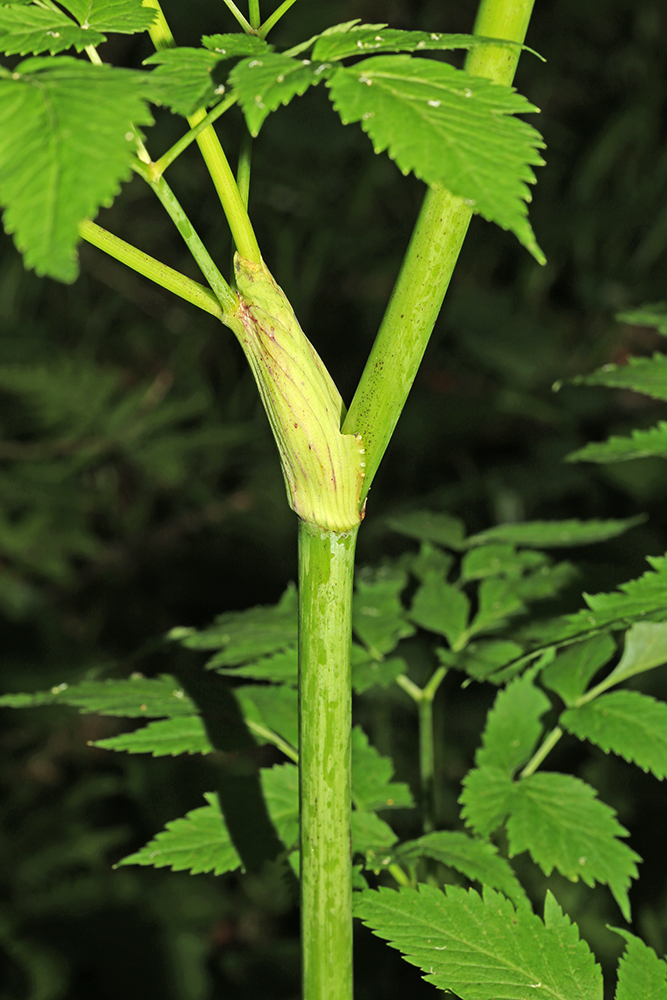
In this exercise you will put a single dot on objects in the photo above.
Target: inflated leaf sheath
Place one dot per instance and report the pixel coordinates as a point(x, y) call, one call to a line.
point(323, 468)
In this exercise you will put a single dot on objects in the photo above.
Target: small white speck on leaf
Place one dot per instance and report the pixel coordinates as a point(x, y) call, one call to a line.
point(433, 104)
point(255, 62)
point(129, 136)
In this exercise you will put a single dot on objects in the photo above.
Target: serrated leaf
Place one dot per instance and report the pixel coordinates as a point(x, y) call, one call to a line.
point(513, 726)
point(440, 607)
point(281, 791)
point(367, 671)
point(430, 561)
point(499, 560)
point(168, 737)
point(478, 860)
point(498, 601)
point(244, 636)
point(547, 581)
point(573, 668)
point(641, 974)
point(627, 723)
point(651, 443)
point(183, 79)
point(264, 83)
point(67, 135)
point(32, 30)
point(486, 798)
point(449, 128)
point(271, 709)
point(372, 787)
point(236, 46)
point(483, 659)
point(555, 534)
point(378, 616)
point(562, 824)
point(363, 39)
point(429, 526)
point(199, 842)
point(135, 697)
point(482, 948)
point(281, 668)
point(645, 375)
point(645, 648)
point(369, 832)
point(123, 16)
point(651, 314)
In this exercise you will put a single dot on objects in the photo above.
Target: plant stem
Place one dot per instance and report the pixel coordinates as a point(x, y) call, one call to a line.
point(424, 700)
point(213, 153)
point(182, 144)
point(541, 753)
point(428, 264)
point(326, 569)
point(247, 27)
point(275, 17)
point(151, 268)
point(254, 15)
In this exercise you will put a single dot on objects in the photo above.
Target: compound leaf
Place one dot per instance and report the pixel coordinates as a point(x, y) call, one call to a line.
point(440, 607)
point(280, 668)
point(645, 648)
point(555, 534)
point(498, 601)
point(641, 974)
point(235, 46)
point(499, 560)
point(477, 859)
point(67, 136)
point(513, 726)
point(270, 711)
point(369, 832)
point(481, 948)
point(378, 615)
point(167, 737)
point(429, 526)
point(628, 723)
point(651, 314)
point(486, 798)
point(363, 39)
point(368, 671)
point(450, 129)
point(183, 79)
point(561, 822)
point(264, 83)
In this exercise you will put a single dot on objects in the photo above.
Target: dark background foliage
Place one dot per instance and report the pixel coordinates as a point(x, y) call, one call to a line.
point(139, 487)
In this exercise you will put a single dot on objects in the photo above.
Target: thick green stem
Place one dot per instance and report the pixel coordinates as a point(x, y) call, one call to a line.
point(428, 264)
point(326, 568)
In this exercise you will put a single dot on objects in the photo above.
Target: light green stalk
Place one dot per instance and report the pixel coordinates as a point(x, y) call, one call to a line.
point(326, 569)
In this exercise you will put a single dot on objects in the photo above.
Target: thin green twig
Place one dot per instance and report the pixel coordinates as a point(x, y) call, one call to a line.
point(245, 24)
point(546, 747)
point(254, 15)
point(274, 18)
point(182, 144)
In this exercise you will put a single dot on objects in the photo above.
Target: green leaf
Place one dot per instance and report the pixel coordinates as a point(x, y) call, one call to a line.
point(243, 636)
point(372, 787)
point(31, 29)
point(645, 648)
point(478, 860)
point(123, 16)
point(369, 832)
point(482, 948)
point(199, 842)
point(183, 79)
point(379, 618)
point(271, 710)
point(628, 723)
point(482, 660)
point(499, 560)
point(281, 791)
point(554, 534)
point(236, 46)
point(561, 822)
point(440, 607)
point(281, 668)
point(429, 561)
point(653, 314)
point(449, 128)
point(264, 83)
point(364, 39)
point(67, 136)
point(485, 799)
point(498, 601)
point(135, 697)
point(573, 668)
point(645, 375)
point(429, 526)
point(641, 974)
point(367, 671)
point(640, 444)
point(168, 737)
point(513, 726)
